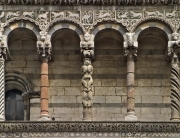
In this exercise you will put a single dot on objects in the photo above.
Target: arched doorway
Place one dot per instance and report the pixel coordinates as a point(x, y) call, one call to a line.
point(14, 106)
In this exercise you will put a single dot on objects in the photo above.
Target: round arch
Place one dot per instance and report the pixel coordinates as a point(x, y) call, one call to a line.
point(155, 24)
point(17, 80)
point(21, 24)
point(113, 26)
point(62, 25)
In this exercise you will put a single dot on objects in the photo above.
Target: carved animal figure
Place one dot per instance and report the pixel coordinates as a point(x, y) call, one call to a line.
point(154, 13)
point(42, 16)
point(28, 14)
point(123, 15)
point(101, 15)
point(171, 14)
point(9, 14)
point(159, 14)
point(86, 18)
point(2, 14)
point(56, 14)
point(73, 15)
point(135, 14)
point(148, 13)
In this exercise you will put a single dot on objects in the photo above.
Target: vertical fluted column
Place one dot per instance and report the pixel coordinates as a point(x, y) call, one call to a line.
point(173, 57)
point(87, 50)
point(130, 53)
point(44, 50)
point(3, 57)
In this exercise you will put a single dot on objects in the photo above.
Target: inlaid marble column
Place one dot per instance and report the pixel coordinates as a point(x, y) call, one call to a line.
point(173, 54)
point(87, 50)
point(3, 57)
point(44, 50)
point(130, 53)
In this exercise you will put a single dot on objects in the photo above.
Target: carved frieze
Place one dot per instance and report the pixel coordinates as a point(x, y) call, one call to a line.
point(125, 127)
point(88, 18)
point(90, 2)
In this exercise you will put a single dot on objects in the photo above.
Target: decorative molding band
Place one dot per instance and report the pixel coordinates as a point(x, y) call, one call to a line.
point(89, 2)
point(80, 126)
point(86, 134)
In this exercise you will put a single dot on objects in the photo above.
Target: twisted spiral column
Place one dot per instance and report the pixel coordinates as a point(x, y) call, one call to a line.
point(2, 90)
point(175, 90)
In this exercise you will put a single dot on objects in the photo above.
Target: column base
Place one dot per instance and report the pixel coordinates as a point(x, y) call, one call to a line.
point(87, 114)
point(175, 119)
point(131, 116)
point(2, 118)
point(44, 117)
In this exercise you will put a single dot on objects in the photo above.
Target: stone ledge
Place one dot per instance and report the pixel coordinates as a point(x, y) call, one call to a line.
point(89, 2)
point(80, 126)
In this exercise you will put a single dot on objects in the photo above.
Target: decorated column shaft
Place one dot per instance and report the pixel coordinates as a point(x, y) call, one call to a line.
point(87, 50)
point(44, 50)
point(3, 57)
point(130, 53)
point(173, 56)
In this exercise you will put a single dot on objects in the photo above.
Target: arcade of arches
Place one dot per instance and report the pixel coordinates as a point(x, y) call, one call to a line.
point(89, 71)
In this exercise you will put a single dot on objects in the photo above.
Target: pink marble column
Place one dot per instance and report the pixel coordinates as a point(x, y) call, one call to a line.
point(44, 49)
point(44, 88)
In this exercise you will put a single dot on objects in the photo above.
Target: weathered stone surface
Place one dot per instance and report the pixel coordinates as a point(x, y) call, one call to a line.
point(59, 83)
point(72, 90)
point(105, 91)
point(113, 99)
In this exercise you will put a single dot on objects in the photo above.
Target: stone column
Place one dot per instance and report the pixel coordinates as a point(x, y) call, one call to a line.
point(130, 53)
point(3, 57)
point(173, 54)
point(87, 50)
point(44, 50)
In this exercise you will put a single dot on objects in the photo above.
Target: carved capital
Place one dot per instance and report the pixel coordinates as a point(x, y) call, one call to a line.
point(87, 47)
point(3, 47)
point(173, 50)
point(130, 47)
point(44, 47)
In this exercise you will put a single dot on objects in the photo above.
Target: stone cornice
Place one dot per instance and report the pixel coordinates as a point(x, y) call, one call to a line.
point(80, 126)
point(90, 2)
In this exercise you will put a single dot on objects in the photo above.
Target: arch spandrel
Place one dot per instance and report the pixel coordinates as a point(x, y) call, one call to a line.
point(164, 26)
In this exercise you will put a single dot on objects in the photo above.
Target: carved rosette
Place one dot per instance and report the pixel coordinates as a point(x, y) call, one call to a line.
point(173, 56)
point(87, 50)
point(130, 53)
